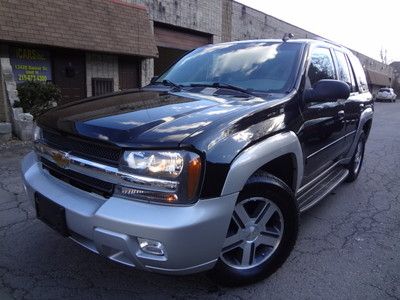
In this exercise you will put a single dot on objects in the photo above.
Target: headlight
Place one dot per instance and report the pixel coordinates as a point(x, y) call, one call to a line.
point(161, 164)
point(166, 176)
point(37, 133)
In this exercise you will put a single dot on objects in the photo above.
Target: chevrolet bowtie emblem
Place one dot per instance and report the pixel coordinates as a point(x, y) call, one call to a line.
point(61, 159)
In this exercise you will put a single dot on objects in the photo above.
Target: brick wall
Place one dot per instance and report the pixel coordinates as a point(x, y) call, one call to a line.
point(229, 20)
point(226, 26)
point(101, 66)
point(374, 65)
point(248, 23)
point(200, 15)
point(92, 25)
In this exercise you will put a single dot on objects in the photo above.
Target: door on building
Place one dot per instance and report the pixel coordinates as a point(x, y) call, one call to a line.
point(173, 43)
point(128, 72)
point(69, 74)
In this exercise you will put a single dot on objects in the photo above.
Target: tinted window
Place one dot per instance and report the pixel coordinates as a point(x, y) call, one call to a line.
point(343, 69)
point(321, 66)
point(259, 66)
point(359, 74)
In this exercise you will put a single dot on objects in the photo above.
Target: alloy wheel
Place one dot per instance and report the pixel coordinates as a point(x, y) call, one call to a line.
point(254, 233)
point(358, 156)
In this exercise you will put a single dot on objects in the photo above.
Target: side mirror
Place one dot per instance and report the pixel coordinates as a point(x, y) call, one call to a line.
point(153, 79)
point(327, 90)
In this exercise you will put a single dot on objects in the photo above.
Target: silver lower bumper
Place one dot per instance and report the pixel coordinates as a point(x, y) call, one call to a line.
point(192, 235)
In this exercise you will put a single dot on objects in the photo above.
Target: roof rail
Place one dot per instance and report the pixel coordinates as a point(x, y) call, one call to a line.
point(318, 38)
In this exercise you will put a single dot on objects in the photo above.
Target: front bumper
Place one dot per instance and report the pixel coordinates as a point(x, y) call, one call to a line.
point(384, 97)
point(192, 235)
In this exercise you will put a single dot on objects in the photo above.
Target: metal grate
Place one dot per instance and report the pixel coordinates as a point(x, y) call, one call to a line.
point(80, 181)
point(102, 86)
point(83, 148)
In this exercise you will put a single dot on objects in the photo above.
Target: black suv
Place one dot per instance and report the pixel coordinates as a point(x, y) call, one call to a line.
point(209, 166)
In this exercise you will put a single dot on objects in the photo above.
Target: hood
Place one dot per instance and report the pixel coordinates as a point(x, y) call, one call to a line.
point(144, 118)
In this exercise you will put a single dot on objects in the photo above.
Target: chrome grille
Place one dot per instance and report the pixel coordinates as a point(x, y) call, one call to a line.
point(83, 182)
point(83, 148)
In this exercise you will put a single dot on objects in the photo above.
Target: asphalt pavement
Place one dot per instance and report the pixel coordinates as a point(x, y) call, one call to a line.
point(348, 245)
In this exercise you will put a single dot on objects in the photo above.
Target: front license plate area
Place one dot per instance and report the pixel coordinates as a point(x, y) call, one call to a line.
point(51, 213)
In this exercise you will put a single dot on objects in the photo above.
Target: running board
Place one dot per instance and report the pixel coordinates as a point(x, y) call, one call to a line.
point(322, 188)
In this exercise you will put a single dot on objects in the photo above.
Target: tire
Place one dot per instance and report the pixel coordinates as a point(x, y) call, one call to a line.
point(265, 197)
point(355, 164)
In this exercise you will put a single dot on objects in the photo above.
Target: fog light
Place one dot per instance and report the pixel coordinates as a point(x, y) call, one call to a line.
point(151, 247)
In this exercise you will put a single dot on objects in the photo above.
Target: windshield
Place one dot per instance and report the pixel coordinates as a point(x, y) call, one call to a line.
point(385, 90)
point(255, 66)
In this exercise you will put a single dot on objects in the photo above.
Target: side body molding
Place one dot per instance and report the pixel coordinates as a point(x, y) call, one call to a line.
point(256, 156)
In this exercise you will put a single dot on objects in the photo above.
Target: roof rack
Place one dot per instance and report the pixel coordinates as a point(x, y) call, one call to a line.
point(318, 38)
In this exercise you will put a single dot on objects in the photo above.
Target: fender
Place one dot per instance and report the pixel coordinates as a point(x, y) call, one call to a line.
point(256, 156)
point(366, 115)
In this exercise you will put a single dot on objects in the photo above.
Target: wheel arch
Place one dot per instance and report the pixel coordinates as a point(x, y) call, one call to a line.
point(284, 168)
point(367, 127)
point(265, 156)
point(364, 125)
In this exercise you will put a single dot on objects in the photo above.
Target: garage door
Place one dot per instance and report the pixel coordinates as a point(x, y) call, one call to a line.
point(173, 43)
point(177, 38)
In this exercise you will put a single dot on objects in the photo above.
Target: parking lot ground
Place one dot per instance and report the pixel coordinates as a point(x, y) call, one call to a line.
point(348, 245)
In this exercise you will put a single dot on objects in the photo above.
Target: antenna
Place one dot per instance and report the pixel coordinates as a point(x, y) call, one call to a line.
point(287, 36)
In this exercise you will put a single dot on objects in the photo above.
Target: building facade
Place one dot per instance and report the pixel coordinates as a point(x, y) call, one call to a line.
point(91, 47)
point(396, 78)
point(227, 20)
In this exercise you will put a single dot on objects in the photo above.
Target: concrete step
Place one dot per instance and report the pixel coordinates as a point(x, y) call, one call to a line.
point(5, 132)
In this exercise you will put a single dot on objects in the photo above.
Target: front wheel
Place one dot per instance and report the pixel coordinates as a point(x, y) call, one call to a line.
point(261, 234)
point(355, 164)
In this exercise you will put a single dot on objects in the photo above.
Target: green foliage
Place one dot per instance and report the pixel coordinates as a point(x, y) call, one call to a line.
point(37, 97)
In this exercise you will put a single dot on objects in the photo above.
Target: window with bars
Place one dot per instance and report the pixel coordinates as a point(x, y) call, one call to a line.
point(102, 86)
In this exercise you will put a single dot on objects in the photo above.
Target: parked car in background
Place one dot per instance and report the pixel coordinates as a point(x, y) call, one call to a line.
point(208, 167)
point(386, 94)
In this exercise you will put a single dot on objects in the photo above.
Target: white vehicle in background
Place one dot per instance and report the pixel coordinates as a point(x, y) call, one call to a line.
point(386, 94)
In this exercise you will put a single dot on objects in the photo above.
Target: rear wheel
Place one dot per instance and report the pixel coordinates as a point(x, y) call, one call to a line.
point(261, 234)
point(356, 162)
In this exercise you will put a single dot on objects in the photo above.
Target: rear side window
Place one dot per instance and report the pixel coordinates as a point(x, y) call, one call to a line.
point(359, 74)
point(321, 65)
point(344, 70)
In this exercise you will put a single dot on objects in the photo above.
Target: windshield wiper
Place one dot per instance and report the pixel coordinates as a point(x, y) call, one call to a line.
point(224, 85)
point(170, 83)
